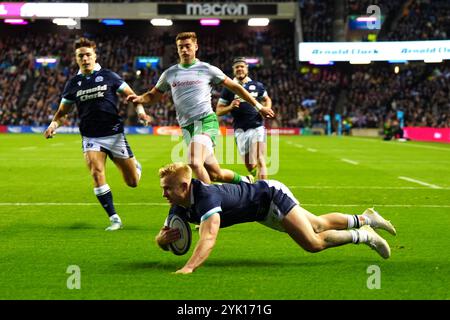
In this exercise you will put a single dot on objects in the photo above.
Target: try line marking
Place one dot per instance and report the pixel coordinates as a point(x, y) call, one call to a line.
point(149, 204)
point(362, 187)
point(429, 185)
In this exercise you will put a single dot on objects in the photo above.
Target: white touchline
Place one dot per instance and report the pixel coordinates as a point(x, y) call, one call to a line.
point(363, 187)
point(298, 145)
point(79, 204)
point(421, 146)
point(311, 150)
point(149, 204)
point(28, 148)
point(388, 143)
point(433, 186)
point(350, 161)
point(376, 205)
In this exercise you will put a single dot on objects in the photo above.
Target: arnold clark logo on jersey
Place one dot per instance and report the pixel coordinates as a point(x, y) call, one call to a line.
point(92, 93)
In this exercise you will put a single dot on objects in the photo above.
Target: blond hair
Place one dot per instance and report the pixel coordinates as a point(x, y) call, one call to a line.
point(186, 35)
point(178, 168)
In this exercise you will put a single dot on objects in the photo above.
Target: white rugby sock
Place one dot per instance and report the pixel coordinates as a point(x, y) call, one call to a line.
point(359, 236)
point(245, 179)
point(354, 221)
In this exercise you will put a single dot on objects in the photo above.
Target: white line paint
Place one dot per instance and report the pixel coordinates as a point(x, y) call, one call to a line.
point(419, 146)
point(44, 204)
point(396, 144)
point(56, 144)
point(12, 204)
point(363, 139)
point(364, 187)
point(376, 205)
point(298, 145)
point(28, 148)
point(429, 185)
point(350, 161)
point(45, 159)
point(311, 150)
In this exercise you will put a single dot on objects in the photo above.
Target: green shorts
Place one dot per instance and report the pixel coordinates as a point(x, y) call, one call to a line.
point(208, 125)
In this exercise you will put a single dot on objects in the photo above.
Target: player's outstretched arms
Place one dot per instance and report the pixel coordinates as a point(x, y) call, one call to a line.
point(209, 229)
point(148, 98)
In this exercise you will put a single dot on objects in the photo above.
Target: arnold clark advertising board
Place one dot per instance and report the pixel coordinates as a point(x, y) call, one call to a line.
point(320, 52)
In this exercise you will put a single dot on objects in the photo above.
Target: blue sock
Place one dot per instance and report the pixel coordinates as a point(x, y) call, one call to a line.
point(104, 196)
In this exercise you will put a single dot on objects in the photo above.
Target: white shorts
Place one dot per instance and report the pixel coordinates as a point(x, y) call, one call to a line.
point(245, 139)
point(115, 146)
point(205, 140)
point(282, 203)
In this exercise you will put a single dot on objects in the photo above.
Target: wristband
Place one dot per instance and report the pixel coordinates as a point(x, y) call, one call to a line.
point(140, 109)
point(258, 106)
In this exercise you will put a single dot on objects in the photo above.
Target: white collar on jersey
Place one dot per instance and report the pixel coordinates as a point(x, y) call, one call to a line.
point(97, 67)
point(247, 79)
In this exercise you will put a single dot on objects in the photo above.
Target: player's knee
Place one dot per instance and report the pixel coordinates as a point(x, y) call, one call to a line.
point(318, 226)
point(196, 165)
point(132, 181)
point(314, 245)
point(97, 174)
point(262, 161)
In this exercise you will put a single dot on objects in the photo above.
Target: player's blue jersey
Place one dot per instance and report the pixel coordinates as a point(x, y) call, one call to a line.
point(235, 203)
point(245, 117)
point(97, 102)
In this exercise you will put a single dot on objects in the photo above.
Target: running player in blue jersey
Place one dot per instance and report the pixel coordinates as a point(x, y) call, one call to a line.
point(94, 91)
point(267, 201)
point(190, 83)
point(249, 131)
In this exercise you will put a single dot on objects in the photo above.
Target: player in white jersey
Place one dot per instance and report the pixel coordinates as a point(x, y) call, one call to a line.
point(190, 84)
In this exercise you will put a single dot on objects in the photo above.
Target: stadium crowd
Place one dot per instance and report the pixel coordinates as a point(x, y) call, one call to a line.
point(422, 20)
point(366, 96)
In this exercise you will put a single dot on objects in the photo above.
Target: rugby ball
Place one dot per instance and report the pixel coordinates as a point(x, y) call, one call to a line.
point(182, 245)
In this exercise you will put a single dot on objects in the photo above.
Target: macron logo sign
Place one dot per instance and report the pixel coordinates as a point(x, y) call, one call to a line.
point(216, 9)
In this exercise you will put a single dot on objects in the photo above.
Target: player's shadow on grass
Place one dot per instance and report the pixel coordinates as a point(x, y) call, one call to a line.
point(87, 226)
point(226, 263)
